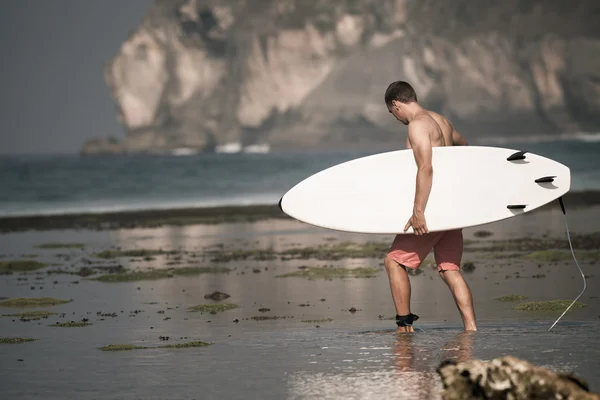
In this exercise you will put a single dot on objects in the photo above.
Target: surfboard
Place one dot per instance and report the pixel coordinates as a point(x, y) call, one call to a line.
point(472, 185)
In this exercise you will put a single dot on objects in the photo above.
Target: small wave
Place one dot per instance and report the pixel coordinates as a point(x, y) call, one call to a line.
point(78, 208)
point(587, 137)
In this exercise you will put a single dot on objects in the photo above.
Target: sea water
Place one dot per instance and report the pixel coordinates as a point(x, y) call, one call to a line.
point(72, 183)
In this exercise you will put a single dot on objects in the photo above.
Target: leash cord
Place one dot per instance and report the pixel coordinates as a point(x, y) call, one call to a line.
point(576, 263)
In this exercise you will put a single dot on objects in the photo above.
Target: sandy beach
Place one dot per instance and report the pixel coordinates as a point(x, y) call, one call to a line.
point(307, 312)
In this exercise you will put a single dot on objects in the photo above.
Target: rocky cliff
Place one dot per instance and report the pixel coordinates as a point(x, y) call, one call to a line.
point(312, 73)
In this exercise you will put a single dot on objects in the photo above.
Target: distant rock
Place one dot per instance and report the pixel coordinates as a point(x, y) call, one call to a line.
point(509, 378)
point(103, 145)
point(312, 73)
point(217, 296)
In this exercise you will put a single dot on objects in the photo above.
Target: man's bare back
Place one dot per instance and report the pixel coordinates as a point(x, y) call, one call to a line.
point(441, 131)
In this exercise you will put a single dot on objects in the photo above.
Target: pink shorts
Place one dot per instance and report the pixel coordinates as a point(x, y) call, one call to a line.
point(410, 250)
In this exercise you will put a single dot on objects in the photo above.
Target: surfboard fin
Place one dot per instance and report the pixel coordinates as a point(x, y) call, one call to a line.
point(519, 155)
point(516, 206)
point(545, 179)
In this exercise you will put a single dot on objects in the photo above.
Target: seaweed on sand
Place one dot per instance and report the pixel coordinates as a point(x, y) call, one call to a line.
point(127, 347)
point(20, 266)
point(32, 302)
point(213, 307)
point(552, 305)
point(154, 274)
point(331, 272)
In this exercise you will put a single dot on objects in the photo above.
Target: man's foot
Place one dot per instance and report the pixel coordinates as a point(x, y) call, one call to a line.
point(405, 322)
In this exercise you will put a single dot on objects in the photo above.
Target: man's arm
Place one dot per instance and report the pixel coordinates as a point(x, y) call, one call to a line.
point(458, 139)
point(420, 142)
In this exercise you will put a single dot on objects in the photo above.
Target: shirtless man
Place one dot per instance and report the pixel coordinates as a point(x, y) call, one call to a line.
point(426, 129)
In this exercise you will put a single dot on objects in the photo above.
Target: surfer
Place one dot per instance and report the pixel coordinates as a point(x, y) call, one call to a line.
point(426, 129)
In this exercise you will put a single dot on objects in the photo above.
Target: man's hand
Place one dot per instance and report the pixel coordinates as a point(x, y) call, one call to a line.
point(418, 136)
point(418, 223)
point(458, 139)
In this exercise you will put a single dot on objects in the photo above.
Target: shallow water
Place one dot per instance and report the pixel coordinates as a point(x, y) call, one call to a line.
point(357, 355)
point(282, 362)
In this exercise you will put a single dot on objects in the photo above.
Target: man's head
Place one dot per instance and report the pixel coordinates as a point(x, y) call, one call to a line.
point(397, 96)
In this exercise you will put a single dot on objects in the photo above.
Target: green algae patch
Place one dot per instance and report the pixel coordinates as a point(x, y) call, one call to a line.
point(60, 271)
point(186, 345)
point(590, 255)
point(213, 307)
point(559, 255)
point(237, 255)
point(552, 305)
point(548, 255)
point(34, 315)
point(313, 273)
point(128, 347)
point(32, 302)
point(155, 274)
point(512, 297)
point(56, 245)
point(331, 251)
point(20, 266)
point(111, 254)
point(339, 251)
point(122, 347)
point(70, 324)
point(15, 340)
point(500, 255)
point(317, 321)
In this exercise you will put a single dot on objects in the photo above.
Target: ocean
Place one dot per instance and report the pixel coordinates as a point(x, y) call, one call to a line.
point(58, 184)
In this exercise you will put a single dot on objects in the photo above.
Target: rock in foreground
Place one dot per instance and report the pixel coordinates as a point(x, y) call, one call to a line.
point(509, 378)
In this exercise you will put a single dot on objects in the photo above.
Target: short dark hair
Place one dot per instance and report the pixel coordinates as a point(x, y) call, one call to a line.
point(400, 91)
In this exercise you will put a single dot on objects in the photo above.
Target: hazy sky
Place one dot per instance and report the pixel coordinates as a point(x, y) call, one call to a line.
point(52, 91)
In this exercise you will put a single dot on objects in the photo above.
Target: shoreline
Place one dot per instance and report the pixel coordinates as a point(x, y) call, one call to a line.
point(153, 218)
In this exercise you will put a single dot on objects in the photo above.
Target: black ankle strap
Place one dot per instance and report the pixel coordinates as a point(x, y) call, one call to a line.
point(406, 320)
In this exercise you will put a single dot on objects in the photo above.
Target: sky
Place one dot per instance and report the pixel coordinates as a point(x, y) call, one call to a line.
point(52, 54)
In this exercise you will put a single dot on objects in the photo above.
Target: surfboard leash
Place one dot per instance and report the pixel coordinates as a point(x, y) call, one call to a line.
point(562, 206)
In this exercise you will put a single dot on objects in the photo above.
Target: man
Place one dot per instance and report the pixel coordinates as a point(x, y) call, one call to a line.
point(426, 129)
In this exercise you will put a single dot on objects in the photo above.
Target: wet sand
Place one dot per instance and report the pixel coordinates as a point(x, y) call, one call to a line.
point(289, 337)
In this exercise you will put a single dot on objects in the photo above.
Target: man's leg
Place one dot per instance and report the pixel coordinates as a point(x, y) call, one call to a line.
point(406, 251)
point(448, 255)
point(400, 286)
point(462, 297)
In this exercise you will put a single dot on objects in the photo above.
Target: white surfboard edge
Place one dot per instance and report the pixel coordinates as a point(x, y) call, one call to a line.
point(472, 185)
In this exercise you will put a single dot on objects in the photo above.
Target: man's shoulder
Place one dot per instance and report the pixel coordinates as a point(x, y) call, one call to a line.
point(420, 123)
point(423, 121)
point(439, 118)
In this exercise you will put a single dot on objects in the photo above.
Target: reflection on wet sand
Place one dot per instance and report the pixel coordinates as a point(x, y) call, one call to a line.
point(408, 371)
point(412, 362)
point(460, 348)
point(412, 374)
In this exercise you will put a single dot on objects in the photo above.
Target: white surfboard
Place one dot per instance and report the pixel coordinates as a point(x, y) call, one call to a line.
point(472, 185)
